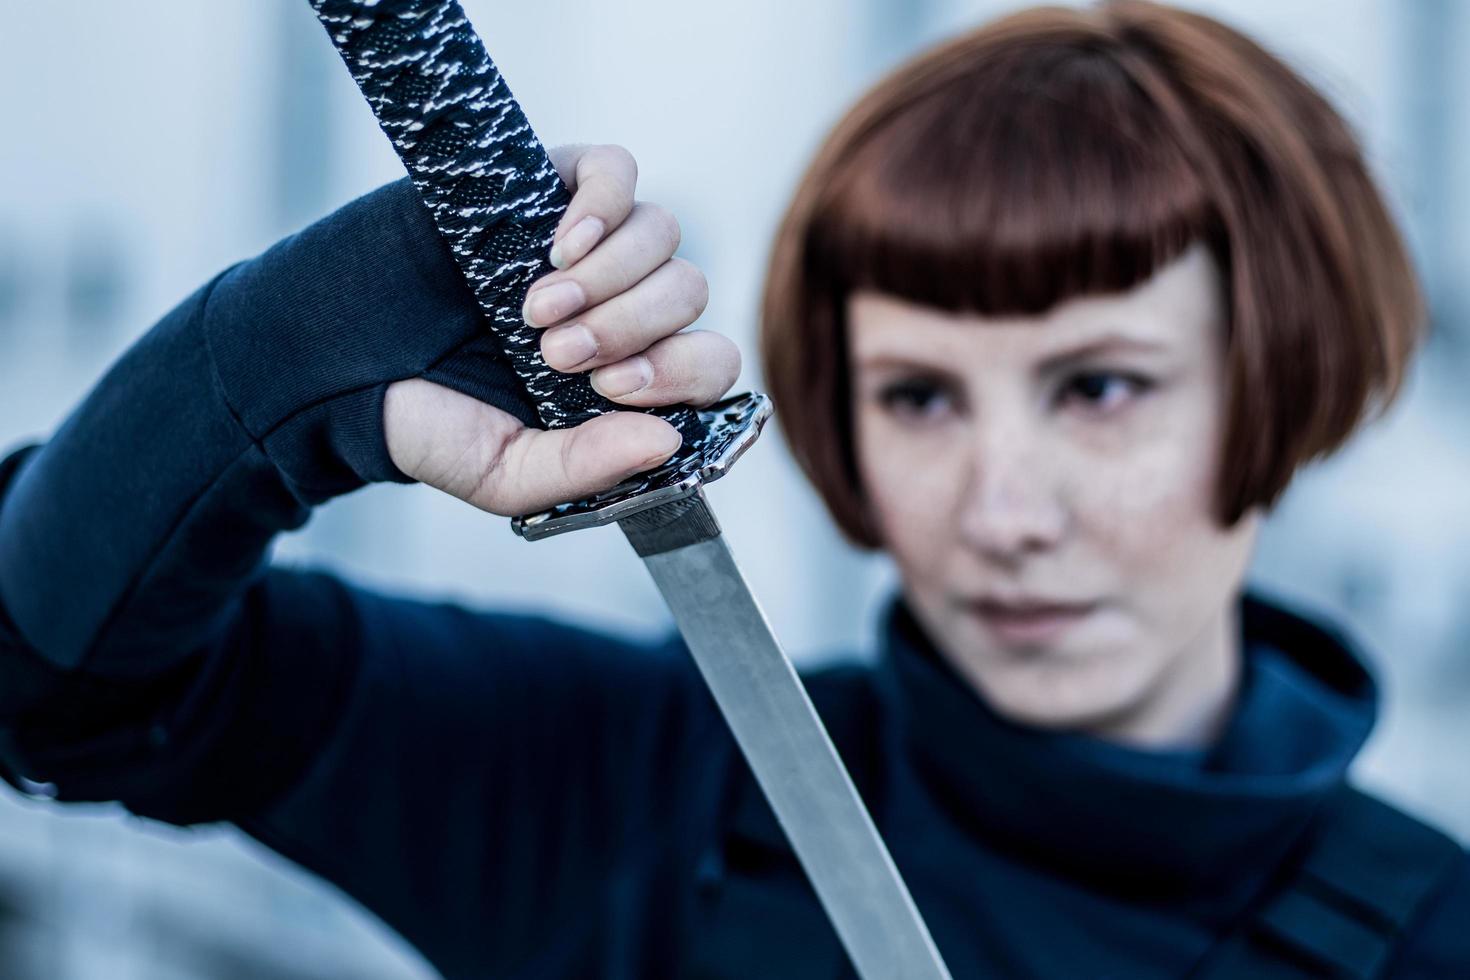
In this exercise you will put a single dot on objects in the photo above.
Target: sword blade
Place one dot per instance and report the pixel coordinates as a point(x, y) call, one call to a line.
point(783, 739)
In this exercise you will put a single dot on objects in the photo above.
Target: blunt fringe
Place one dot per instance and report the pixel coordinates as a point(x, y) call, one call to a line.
point(1061, 152)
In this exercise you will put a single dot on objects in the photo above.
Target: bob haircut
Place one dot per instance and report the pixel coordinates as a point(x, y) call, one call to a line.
point(1060, 152)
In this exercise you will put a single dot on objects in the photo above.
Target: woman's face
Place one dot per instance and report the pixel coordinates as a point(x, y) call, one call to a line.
point(1068, 458)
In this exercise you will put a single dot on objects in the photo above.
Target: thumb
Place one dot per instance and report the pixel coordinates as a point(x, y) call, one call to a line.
point(537, 468)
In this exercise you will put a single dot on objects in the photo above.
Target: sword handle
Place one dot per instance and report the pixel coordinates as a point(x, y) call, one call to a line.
point(482, 172)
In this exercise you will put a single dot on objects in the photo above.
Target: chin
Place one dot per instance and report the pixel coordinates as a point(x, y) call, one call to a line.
point(1062, 692)
point(1046, 710)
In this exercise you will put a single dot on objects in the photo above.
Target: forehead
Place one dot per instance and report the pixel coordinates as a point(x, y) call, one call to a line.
point(1180, 308)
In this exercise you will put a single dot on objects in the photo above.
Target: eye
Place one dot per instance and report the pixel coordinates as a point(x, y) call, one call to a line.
point(916, 399)
point(1104, 390)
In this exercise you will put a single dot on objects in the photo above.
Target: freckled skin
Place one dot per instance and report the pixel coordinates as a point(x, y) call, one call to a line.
point(1090, 480)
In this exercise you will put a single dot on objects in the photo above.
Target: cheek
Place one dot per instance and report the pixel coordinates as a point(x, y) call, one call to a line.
point(913, 487)
point(1140, 501)
point(1148, 513)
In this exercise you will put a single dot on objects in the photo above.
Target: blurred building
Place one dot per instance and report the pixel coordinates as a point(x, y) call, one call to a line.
point(155, 142)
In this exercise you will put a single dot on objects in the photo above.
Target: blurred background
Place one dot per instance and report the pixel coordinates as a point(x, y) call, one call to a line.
point(152, 143)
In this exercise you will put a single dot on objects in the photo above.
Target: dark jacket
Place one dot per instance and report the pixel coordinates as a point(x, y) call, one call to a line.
point(522, 798)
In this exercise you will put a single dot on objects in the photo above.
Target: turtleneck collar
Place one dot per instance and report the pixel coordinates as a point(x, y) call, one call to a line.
point(1170, 824)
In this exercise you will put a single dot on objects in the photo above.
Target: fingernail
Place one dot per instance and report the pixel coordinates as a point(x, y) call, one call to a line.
point(577, 242)
point(566, 347)
point(623, 378)
point(553, 303)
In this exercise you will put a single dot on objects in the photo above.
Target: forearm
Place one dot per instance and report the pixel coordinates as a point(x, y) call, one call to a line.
point(122, 538)
point(127, 548)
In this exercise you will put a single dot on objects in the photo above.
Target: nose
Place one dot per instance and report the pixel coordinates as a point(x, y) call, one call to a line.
point(1013, 505)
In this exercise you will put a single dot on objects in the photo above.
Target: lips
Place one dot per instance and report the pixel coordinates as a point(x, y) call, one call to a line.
point(1030, 622)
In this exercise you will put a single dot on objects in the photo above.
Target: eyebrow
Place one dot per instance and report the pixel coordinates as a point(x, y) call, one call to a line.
point(1103, 344)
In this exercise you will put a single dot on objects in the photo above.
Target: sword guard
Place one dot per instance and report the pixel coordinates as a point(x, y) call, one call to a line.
point(731, 426)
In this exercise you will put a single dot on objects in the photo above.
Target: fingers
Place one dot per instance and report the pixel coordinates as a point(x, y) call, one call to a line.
point(619, 299)
point(642, 243)
point(667, 301)
point(535, 468)
point(693, 368)
point(602, 180)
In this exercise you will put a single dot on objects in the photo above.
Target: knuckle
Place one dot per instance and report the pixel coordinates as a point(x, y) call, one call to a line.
point(623, 268)
point(695, 287)
point(729, 358)
point(630, 334)
point(602, 195)
point(617, 153)
point(712, 364)
point(665, 225)
point(721, 360)
point(731, 376)
point(611, 162)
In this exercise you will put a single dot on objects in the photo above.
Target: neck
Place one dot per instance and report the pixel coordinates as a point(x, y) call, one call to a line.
point(1190, 704)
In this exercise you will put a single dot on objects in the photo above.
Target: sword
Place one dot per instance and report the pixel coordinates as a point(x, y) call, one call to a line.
point(496, 199)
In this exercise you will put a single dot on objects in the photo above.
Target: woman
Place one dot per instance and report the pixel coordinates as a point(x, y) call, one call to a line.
point(1052, 319)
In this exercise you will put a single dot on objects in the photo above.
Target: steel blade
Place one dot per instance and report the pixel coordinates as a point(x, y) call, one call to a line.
point(783, 739)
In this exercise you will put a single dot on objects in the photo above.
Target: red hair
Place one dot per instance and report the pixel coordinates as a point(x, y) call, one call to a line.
point(1060, 152)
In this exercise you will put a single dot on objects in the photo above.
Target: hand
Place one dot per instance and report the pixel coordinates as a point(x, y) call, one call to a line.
point(615, 305)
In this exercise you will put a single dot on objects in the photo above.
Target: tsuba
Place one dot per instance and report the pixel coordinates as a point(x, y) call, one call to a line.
point(731, 426)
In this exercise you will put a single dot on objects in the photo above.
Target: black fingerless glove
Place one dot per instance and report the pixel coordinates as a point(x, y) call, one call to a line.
point(306, 337)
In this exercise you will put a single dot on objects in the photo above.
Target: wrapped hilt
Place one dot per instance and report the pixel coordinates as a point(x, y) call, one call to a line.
point(496, 199)
point(480, 169)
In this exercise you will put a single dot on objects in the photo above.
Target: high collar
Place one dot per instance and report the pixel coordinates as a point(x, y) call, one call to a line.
point(1151, 822)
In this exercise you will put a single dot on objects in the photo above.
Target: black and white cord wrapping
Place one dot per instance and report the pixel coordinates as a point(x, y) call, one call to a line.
point(477, 164)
